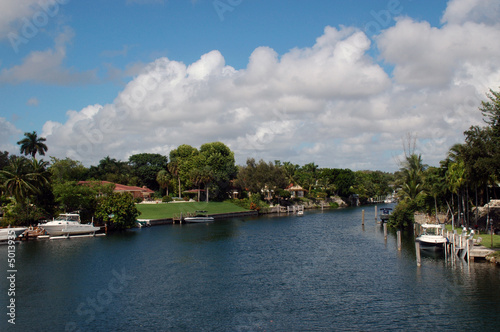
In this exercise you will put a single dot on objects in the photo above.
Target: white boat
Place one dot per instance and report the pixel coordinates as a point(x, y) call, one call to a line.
point(385, 214)
point(68, 224)
point(300, 212)
point(432, 237)
point(199, 217)
point(4, 232)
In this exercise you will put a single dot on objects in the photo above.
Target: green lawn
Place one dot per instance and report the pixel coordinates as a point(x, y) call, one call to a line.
point(167, 210)
point(486, 238)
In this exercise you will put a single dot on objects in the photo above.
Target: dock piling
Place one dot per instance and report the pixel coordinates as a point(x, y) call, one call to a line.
point(399, 240)
point(385, 231)
point(363, 217)
point(417, 251)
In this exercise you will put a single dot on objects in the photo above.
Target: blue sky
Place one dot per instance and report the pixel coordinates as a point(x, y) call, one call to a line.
point(349, 79)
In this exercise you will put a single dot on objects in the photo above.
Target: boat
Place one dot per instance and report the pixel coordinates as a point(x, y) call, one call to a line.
point(199, 217)
point(386, 213)
point(68, 224)
point(432, 237)
point(17, 231)
point(142, 223)
point(300, 213)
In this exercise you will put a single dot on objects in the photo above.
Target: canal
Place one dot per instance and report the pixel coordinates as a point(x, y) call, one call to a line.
point(319, 272)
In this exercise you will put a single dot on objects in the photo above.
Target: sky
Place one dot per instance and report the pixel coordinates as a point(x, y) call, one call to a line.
point(337, 83)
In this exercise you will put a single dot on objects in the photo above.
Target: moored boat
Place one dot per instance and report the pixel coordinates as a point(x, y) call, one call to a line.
point(12, 231)
point(199, 217)
point(68, 224)
point(432, 237)
point(385, 214)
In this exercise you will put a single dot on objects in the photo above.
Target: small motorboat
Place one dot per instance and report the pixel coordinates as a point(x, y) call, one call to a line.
point(385, 215)
point(199, 217)
point(432, 237)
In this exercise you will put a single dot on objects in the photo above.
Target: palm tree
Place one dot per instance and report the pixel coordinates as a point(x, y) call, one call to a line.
point(20, 181)
point(163, 178)
point(32, 144)
point(173, 168)
point(412, 171)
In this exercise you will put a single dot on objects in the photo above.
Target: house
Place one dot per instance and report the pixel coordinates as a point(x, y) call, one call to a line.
point(142, 192)
point(296, 190)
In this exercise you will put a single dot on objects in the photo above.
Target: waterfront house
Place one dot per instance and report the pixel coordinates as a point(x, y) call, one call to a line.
point(137, 192)
point(296, 191)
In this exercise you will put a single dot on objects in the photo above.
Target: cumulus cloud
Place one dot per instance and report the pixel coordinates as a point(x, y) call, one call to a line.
point(331, 103)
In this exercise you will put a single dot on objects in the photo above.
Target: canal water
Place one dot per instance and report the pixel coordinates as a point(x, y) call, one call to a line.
point(319, 272)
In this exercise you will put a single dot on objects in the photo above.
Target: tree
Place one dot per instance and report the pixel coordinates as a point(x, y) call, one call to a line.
point(181, 163)
point(219, 162)
point(412, 172)
point(4, 159)
point(112, 170)
point(117, 210)
point(22, 178)
point(146, 167)
point(32, 144)
point(67, 169)
point(163, 178)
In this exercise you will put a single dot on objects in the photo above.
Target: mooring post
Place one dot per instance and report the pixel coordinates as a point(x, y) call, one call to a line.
point(375, 213)
point(385, 231)
point(417, 251)
point(180, 220)
point(399, 240)
point(363, 217)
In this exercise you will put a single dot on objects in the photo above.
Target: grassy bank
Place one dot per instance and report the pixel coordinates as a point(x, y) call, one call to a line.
point(486, 238)
point(168, 210)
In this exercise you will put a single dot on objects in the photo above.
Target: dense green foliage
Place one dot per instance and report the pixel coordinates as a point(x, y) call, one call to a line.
point(117, 210)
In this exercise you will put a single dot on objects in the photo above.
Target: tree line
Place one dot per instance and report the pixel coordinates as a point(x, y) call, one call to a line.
point(34, 189)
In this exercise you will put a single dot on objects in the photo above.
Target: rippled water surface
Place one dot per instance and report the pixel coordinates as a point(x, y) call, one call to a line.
point(322, 271)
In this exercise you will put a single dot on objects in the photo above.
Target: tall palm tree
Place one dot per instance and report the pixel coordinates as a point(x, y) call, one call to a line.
point(173, 168)
point(32, 144)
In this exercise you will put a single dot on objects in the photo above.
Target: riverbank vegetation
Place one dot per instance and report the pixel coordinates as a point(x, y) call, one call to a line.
point(32, 189)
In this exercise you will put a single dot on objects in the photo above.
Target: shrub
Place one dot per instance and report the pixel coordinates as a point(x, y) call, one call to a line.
point(166, 199)
point(334, 205)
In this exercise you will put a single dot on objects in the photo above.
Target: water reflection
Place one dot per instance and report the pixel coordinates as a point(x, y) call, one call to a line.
point(322, 271)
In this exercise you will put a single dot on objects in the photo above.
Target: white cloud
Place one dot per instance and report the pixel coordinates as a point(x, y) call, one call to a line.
point(330, 103)
point(477, 11)
point(8, 132)
point(48, 66)
point(12, 12)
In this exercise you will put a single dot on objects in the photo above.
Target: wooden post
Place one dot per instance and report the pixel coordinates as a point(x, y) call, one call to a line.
point(385, 231)
point(417, 251)
point(180, 220)
point(399, 240)
point(375, 213)
point(363, 217)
